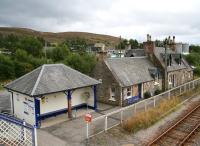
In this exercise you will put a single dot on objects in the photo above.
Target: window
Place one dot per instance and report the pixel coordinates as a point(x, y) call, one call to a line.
point(127, 92)
point(26, 108)
point(112, 94)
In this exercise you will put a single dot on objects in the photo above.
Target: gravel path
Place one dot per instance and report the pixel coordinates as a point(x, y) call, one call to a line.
point(118, 137)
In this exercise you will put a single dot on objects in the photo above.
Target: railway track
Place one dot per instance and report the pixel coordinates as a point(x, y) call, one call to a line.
point(181, 132)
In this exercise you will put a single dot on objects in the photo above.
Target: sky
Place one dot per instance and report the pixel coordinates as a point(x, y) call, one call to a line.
point(128, 18)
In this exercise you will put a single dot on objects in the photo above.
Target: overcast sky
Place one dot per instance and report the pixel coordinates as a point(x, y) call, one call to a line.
point(128, 18)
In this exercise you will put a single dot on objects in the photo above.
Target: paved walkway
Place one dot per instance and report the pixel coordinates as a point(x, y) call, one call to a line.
point(71, 132)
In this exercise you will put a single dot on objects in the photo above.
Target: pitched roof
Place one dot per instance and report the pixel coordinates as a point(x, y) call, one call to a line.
point(50, 78)
point(159, 53)
point(134, 53)
point(130, 70)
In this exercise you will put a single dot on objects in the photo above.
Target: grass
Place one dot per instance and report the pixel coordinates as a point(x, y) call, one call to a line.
point(3, 83)
point(143, 120)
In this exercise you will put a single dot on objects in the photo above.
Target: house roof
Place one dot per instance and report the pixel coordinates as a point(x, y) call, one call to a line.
point(159, 54)
point(130, 70)
point(50, 78)
point(134, 53)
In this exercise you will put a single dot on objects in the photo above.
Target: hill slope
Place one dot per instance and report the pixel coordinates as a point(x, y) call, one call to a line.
point(61, 36)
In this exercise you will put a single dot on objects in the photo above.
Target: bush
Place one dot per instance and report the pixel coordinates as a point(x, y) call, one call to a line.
point(158, 91)
point(147, 95)
point(197, 71)
point(6, 68)
point(84, 63)
point(143, 120)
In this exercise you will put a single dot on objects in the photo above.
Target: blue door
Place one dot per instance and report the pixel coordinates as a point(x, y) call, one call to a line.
point(139, 90)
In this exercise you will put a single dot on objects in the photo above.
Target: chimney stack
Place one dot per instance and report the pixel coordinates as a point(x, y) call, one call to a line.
point(173, 39)
point(149, 45)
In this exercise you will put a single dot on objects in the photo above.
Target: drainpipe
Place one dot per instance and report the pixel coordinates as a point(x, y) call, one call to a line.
point(166, 76)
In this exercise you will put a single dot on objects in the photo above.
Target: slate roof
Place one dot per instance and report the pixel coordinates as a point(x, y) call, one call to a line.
point(134, 53)
point(130, 70)
point(160, 51)
point(50, 78)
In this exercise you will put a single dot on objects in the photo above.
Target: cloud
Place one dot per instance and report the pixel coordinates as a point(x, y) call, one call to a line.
point(129, 18)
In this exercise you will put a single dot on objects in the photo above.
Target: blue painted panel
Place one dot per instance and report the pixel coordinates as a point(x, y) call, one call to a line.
point(140, 90)
point(58, 112)
point(95, 96)
point(133, 99)
point(37, 111)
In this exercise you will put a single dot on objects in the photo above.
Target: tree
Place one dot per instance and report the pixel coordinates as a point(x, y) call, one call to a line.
point(32, 45)
point(84, 63)
point(194, 49)
point(21, 55)
point(59, 53)
point(134, 44)
point(193, 59)
point(6, 68)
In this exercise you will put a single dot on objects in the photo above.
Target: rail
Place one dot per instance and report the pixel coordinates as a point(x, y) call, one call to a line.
point(109, 120)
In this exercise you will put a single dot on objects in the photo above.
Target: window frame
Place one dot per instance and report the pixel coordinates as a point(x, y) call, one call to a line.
point(112, 98)
point(125, 92)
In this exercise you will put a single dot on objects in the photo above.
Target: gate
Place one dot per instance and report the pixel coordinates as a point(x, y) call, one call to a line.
point(15, 132)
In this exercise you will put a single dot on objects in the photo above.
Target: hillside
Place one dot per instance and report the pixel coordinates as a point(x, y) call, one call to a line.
point(61, 36)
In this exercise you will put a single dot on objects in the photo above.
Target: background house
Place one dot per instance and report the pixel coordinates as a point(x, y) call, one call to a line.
point(125, 80)
point(178, 70)
point(51, 90)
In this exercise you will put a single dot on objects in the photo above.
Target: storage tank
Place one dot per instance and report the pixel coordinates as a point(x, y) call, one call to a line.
point(179, 48)
point(185, 48)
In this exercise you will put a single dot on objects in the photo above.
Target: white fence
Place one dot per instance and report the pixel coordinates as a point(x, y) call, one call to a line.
point(15, 132)
point(107, 121)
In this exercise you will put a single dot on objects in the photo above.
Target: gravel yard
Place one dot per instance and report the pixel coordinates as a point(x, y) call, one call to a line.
point(117, 136)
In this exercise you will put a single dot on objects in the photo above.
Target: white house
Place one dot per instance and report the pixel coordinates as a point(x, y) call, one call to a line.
point(51, 90)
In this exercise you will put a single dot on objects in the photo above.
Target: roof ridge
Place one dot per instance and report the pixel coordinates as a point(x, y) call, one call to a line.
point(78, 72)
point(38, 79)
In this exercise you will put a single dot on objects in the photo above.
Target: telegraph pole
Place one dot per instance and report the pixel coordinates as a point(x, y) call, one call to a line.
point(120, 46)
point(166, 43)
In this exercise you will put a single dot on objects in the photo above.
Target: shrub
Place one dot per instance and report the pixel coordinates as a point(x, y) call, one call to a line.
point(143, 120)
point(158, 91)
point(197, 71)
point(6, 68)
point(147, 95)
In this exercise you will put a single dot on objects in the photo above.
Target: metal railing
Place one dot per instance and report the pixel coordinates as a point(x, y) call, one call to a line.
point(15, 132)
point(109, 120)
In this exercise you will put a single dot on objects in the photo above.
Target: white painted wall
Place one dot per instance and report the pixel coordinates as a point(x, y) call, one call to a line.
point(58, 101)
point(20, 107)
point(78, 96)
point(53, 102)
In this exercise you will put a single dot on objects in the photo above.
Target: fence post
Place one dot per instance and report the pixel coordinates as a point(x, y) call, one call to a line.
point(24, 123)
point(121, 116)
point(106, 123)
point(154, 102)
point(35, 133)
point(189, 86)
point(135, 108)
point(169, 94)
point(185, 88)
point(193, 84)
point(87, 130)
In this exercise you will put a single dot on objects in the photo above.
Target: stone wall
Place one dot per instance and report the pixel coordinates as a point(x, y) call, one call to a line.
point(151, 87)
point(101, 72)
point(181, 76)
